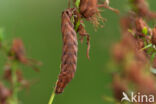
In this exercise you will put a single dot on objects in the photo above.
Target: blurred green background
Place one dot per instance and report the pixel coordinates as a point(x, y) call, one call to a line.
point(37, 23)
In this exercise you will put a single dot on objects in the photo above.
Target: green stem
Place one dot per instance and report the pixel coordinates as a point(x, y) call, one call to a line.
point(52, 97)
point(77, 25)
point(14, 97)
point(77, 3)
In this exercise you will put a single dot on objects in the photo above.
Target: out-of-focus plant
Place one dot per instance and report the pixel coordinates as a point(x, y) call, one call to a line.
point(135, 56)
point(13, 81)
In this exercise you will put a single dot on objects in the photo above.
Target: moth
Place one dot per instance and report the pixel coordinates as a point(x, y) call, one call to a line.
point(69, 51)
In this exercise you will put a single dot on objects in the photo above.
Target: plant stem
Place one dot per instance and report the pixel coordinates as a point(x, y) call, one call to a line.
point(14, 98)
point(52, 97)
point(77, 3)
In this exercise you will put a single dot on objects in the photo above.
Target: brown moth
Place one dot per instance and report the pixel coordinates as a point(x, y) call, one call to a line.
point(69, 55)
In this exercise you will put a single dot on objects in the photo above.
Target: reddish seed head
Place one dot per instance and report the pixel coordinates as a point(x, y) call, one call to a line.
point(140, 25)
point(154, 36)
point(4, 94)
point(88, 8)
point(18, 51)
point(118, 87)
point(142, 9)
point(7, 73)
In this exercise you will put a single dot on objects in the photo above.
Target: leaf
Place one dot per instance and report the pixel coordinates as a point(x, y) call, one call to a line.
point(145, 30)
point(131, 31)
point(77, 3)
point(83, 24)
point(153, 70)
point(77, 25)
point(147, 46)
point(109, 99)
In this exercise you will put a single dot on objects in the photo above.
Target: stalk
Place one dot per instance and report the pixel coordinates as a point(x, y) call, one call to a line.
point(14, 97)
point(52, 97)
